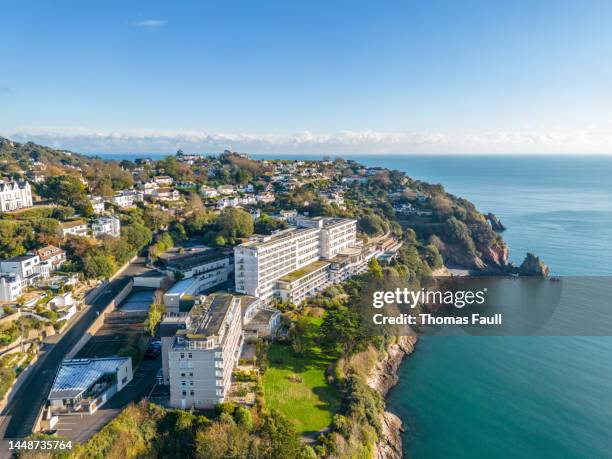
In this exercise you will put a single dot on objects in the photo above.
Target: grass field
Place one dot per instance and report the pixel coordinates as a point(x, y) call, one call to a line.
point(295, 384)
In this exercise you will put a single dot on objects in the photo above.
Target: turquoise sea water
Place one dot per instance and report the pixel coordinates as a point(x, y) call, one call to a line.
point(545, 397)
point(519, 397)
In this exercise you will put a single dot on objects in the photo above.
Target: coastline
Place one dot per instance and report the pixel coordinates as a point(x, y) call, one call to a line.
point(383, 378)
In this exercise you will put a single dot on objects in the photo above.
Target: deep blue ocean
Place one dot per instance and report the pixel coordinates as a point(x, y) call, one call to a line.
point(519, 397)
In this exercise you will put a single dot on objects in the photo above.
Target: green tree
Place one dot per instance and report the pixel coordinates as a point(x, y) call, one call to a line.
point(156, 311)
point(99, 266)
point(137, 235)
point(235, 223)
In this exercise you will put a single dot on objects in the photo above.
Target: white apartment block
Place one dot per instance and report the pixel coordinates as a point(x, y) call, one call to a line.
point(15, 195)
point(286, 265)
point(10, 287)
point(106, 225)
point(201, 357)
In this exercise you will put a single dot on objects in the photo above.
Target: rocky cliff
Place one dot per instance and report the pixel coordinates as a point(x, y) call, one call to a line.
point(383, 378)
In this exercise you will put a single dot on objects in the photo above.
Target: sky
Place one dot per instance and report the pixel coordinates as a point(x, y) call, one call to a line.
point(323, 77)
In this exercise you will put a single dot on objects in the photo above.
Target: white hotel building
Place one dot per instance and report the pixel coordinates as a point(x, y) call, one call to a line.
point(294, 263)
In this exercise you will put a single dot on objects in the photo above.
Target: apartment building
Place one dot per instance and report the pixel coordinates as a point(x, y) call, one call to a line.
point(15, 195)
point(127, 198)
point(202, 356)
point(285, 265)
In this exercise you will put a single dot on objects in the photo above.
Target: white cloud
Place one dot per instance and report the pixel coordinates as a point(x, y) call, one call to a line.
point(555, 140)
point(150, 23)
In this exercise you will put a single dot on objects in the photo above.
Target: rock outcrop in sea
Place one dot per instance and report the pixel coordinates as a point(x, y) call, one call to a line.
point(495, 222)
point(533, 266)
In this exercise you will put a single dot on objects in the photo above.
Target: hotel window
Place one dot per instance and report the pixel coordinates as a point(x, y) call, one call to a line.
point(184, 393)
point(190, 355)
point(182, 355)
point(191, 393)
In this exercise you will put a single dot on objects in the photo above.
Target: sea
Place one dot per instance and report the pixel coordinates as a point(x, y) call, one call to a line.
point(520, 397)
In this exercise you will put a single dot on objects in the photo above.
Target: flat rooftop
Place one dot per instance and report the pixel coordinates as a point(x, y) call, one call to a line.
point(207, 319)
point(195, 257)
point(299, 273)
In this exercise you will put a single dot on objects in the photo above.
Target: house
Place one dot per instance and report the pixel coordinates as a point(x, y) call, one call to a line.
point(166, 194)
point(14, 195)
point(97, 202)
point(127, 198)
point(163, 180)
point(84, 385)
point(228, 202)
point(106, 225)
point(149, 187)
point(27, 267)
point(10, 287)
point(226, 190)
point(265, 197)
point(74, 228)
point(52, 255)
point(208, 192)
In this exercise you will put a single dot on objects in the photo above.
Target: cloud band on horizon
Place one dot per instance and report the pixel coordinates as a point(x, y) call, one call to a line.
point(594, 140)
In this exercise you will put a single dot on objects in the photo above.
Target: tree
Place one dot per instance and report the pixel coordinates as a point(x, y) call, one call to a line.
point(372, 224)
point(340, 330)
point(244, 418)
point(137, 235)
point(278, 437)
point(154, 317)
point(235, 223)
point(266, 225)
point(99, 266)
point(375, 268)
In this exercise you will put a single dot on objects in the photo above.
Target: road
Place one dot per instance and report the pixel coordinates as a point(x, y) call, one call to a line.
point(20, 414)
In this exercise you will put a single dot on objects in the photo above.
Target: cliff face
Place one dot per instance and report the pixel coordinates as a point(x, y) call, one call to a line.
point(496, 255)
point(383, 378)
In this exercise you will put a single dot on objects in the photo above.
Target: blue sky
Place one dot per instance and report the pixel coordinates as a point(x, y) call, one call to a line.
point(358, 77)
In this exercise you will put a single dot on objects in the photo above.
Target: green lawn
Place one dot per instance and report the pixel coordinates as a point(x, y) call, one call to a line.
point(308, 401)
